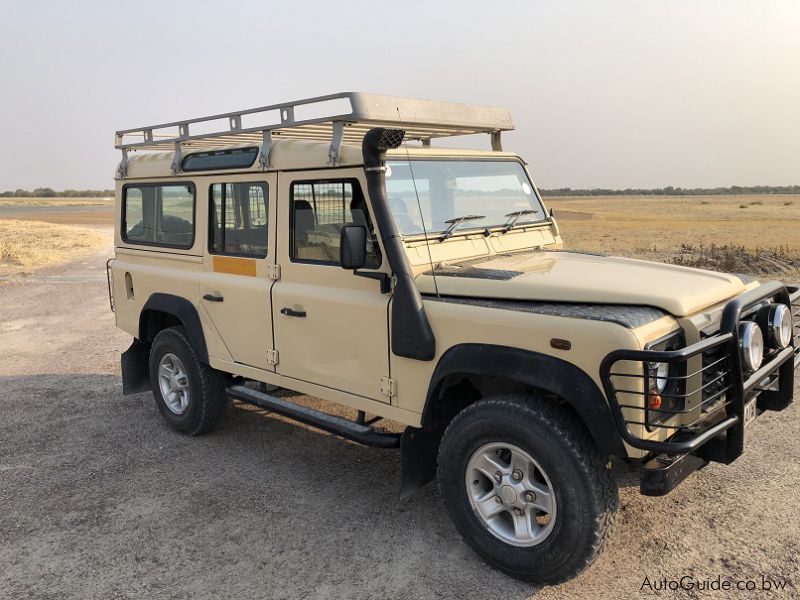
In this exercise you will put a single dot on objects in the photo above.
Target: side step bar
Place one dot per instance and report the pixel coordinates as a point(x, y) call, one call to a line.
point(355, 432)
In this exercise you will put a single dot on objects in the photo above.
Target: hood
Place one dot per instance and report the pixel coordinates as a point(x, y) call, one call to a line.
point(583, 278)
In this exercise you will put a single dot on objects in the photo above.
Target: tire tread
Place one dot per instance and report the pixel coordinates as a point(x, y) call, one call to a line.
point(582, 449)
point(209, 393)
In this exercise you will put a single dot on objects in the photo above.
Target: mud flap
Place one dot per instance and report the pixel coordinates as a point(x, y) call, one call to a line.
point(136, 368)
point(418, 451)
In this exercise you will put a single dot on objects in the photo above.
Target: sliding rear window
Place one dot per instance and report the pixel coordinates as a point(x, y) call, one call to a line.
point(237, 158)
point(159, 215)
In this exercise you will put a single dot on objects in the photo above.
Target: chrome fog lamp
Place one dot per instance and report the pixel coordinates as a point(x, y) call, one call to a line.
point(779, 325)
point(751, 345)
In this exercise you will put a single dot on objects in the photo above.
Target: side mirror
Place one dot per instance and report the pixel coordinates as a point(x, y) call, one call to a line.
point(353, 246)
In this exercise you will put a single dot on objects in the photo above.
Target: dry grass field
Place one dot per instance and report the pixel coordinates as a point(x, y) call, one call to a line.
point(56, 201)
point(757, 234)
point(26, 246)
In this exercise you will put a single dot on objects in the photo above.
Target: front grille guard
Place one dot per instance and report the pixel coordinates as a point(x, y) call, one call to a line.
point(794, 294)
point(722, 397)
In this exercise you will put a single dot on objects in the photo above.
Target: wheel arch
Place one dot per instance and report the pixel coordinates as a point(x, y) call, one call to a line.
point(529, 370)
point(167, 310)
point(505, 369)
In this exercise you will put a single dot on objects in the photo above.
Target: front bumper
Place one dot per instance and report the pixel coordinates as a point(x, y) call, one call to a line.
point(712, 429)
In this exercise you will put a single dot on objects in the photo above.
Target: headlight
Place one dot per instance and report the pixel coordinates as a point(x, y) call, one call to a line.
point(777, 322)
point(664, 382)
point(751, 345)
point(660, 373)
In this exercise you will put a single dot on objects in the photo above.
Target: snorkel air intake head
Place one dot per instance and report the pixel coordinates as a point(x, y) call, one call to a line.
point(377, 141)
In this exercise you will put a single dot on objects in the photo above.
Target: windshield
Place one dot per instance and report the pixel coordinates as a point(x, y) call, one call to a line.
point(498, 192)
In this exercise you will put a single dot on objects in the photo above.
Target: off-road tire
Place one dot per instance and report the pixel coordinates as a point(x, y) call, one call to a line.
point(585, 491)
point(207, 385)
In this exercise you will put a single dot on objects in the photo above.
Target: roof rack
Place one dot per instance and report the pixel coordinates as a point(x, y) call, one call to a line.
point(342, 117)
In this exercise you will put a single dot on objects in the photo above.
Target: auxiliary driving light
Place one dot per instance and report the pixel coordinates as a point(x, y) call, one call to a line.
point(751, 345)
point(776, 320)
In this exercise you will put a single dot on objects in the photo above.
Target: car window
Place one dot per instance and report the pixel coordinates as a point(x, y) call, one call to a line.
point(161, 215)
point(238, 158)
point(319, 210)
point(426, 195)
point(238, 219)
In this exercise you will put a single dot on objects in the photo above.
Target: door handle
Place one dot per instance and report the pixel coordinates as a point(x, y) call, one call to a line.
point(290, 312)
point(213, 298)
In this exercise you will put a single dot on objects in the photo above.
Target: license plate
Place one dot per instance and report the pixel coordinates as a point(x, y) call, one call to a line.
point(749, 412)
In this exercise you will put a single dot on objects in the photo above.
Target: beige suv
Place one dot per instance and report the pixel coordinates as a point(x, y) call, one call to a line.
point(305, 246)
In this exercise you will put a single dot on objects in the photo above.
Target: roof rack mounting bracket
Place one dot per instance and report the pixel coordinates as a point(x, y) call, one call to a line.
point(266, 146)
point(336, 142)
point(176, 159)
point(497, 143)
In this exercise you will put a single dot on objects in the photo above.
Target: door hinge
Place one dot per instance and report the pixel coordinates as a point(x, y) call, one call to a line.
point(388, 387)
point(272, 357)
point(274, 271)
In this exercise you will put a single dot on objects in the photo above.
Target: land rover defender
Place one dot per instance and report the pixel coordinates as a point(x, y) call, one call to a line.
point(331, 247)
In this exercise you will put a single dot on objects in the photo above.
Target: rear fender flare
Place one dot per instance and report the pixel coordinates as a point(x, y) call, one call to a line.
point(183, 310)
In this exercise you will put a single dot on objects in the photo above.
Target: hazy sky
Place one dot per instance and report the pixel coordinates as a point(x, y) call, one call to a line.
point(604, 94)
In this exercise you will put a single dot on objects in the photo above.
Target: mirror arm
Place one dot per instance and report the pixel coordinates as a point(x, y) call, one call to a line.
point(382, 277)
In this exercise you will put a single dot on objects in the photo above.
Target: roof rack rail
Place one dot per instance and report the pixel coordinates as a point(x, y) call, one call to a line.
point(341, 117)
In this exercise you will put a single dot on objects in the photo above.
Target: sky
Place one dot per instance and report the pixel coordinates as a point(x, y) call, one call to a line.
point(627, 93)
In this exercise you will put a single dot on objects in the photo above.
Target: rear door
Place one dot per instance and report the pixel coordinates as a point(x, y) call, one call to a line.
point(238, 261)
point(331, 326)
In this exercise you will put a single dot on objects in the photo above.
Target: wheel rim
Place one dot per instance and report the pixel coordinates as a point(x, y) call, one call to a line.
point(510, 494)
point(174, 383)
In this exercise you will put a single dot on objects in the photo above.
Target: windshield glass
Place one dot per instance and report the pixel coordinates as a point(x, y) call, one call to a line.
point(497, 191)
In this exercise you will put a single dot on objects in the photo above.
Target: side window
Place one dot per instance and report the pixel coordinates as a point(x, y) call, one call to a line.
point(158, 215)
point(238, 219)
point(319, 210)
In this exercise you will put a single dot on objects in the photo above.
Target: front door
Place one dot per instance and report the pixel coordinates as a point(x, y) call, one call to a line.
point(331, 326)
point(235, 289)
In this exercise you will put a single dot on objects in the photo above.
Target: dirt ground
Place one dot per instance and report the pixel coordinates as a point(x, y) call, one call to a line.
point(99, 499)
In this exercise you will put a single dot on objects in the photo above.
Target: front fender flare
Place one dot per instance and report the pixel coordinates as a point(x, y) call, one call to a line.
point(538, 370)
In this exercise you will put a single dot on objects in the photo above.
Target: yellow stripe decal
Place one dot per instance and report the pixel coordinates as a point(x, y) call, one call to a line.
point(235, 266)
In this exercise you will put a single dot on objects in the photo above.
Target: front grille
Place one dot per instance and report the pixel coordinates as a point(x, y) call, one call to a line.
point(696, 394)
point(715, 381)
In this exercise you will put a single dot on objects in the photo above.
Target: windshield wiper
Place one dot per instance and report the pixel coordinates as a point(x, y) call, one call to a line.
point(455, 222)
point(514, 216)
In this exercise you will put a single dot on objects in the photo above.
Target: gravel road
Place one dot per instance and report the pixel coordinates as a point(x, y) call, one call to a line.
point(99, 499)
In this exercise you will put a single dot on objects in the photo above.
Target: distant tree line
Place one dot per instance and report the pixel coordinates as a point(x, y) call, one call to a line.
point(51, 193)
point(667, 191)
point(678, 191)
